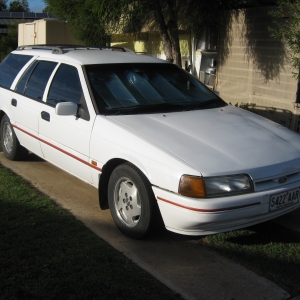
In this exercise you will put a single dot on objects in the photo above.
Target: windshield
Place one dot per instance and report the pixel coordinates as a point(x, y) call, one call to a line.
point(147, 88)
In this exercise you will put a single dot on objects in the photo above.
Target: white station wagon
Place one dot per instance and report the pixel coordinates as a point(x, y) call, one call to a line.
point(156, 142)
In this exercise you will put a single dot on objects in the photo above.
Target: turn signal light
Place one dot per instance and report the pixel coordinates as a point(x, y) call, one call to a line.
point(191, 186)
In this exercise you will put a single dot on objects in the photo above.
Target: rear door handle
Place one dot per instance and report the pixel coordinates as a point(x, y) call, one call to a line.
point(45, 116)
point(14, 102)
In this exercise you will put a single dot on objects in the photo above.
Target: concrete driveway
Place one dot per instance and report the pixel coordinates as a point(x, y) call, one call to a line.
point(177, 261)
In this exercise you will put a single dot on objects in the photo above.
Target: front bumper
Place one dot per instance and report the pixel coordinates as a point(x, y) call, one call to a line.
point(192, 216)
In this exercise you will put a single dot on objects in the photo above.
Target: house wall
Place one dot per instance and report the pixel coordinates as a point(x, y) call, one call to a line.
point(254, 70)
point(149, 43)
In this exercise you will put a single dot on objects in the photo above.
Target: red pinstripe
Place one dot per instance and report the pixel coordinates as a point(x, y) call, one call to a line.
point(208, 210)
point(57, 148)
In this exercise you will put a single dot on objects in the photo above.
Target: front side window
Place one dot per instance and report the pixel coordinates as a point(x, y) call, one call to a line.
point(65, 87)
point(147, 88)
point(10, 67)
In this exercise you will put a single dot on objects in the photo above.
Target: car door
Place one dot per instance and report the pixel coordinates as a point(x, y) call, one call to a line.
point(65, 140)
point(27, 103)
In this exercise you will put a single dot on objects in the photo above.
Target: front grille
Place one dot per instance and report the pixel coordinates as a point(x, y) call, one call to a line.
point(270, 183)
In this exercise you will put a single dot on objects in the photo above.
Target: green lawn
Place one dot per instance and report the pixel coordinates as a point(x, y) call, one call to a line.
point(268, 249)
point(45, 253)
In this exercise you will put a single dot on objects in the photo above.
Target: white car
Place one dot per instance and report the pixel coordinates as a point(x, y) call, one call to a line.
point(156, 142)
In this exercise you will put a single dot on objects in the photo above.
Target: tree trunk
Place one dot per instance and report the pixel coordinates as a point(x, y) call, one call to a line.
point(298, 93)
point(298, 89)
point(167, 45)
point(175, 46)
point(174, 35)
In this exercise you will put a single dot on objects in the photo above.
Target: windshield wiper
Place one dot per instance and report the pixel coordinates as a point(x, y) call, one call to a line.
point(165, 107)
point(213, 103)
point(159, 107)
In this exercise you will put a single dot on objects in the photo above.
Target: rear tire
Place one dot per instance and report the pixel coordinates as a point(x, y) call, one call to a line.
point(132, 202)
point(9, 142)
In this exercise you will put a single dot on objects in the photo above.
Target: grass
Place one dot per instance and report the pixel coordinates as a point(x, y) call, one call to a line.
point(45, 253)
point(268, 249)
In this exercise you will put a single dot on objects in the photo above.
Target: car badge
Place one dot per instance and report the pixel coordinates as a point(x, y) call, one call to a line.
point(281, 180)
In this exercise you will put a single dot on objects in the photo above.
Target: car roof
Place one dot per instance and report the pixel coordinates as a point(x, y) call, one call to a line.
point(85, 55)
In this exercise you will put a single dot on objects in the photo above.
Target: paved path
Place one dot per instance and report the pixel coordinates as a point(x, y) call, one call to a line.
point(178, 261)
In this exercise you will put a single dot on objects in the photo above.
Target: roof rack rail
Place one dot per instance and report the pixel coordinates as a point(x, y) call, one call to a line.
point(58, 49)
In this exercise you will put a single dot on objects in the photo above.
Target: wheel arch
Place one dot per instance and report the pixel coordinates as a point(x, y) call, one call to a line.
point(2, 114)
point(107, 170)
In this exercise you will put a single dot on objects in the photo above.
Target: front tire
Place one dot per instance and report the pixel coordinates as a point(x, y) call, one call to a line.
point(131, 201)
point(9, 142)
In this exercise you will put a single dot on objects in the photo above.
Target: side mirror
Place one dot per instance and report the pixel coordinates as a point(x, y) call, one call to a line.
point(66, 109)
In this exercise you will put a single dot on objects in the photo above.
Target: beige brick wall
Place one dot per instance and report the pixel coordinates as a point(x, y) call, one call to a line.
point(254, 68)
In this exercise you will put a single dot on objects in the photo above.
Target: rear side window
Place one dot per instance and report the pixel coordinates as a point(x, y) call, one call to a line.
point(38, 79)
point(20, 88)
point(10, 67)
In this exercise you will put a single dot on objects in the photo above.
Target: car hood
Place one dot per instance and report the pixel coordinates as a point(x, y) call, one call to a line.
point(221, 141)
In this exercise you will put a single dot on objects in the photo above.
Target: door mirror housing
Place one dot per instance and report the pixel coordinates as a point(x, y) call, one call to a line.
point(66, 109)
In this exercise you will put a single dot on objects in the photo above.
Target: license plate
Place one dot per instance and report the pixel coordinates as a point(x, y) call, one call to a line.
point(281, 200)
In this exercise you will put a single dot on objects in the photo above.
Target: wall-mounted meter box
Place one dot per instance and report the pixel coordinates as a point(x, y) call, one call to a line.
point(208, 39)
point(44, 31)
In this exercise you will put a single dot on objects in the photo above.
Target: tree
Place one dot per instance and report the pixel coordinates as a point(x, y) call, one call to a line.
point(46, 9)
point(9, 42)
point(93, 21)
point(3, 5)
point(287, 26)
point(19, 6)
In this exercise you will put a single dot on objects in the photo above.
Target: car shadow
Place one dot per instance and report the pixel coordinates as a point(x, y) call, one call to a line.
point(162, 234)
point(31, 157)
point(266, 233)
point(260, 234)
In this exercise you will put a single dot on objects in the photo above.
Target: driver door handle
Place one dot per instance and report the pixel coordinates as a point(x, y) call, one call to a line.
point(14, 102)
point(45, 116)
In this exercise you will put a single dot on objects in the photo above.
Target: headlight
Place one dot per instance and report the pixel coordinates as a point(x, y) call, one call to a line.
point(228, 185)
point(220, 186)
